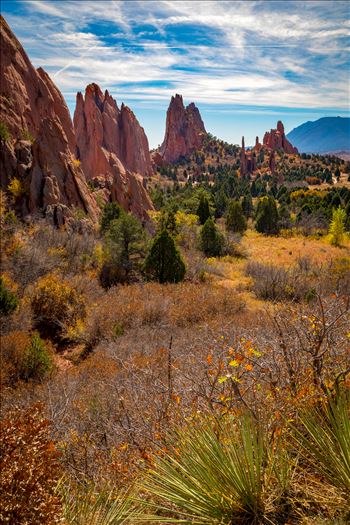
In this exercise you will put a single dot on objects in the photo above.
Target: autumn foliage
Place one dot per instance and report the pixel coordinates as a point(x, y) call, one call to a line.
point(29, 470)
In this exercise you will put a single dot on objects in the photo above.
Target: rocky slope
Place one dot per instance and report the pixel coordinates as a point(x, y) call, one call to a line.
point(276, 139)
point(184, 131)
point(113, 150)
point(38, 143)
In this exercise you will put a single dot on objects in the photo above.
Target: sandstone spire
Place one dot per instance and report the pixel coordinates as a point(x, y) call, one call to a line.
point(113, 150)
point(184, 131)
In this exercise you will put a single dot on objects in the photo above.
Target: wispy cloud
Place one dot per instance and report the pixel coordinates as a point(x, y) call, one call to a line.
point(261, 53)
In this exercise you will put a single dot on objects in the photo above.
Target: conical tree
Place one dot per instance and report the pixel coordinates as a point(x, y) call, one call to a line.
point(203, 210)
point(267, 216)
point(247, 205)
point(211, 240)
point(164, 262)
point(235, 219)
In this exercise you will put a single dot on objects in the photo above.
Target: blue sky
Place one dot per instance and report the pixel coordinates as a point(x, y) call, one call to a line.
point(245, 64)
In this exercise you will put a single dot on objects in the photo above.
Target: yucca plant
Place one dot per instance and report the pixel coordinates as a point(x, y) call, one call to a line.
point(324, 439)
point(217, 475)
point(93, 507)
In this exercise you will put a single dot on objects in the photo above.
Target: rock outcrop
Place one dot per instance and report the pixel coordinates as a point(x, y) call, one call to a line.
point(113, 150)
point(248, 162)
point(99, 123)
point(276, 139)
point(184, 132)
point(39, 149)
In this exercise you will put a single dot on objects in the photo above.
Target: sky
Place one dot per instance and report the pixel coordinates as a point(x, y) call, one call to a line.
point(244, 64)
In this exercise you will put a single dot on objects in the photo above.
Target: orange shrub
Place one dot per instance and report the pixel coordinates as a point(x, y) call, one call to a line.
point(29, 470)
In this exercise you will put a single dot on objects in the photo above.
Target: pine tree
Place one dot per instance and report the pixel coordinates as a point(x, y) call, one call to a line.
point(203, 210)
point(111, 211)
point(164, 262)
point(235, 219)
point(337, 227)
point(247, 205)
point(267, 216)
point(211, 240)
point(347, 219)
point(220, 203)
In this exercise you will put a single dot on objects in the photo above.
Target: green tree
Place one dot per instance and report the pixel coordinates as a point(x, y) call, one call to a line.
point(220, 203)
point(37, 362)
point(8, 300)
point(164, 262)
point(211, 240)
point(347, 219)
point(267, 216)
point(203, 210)
point(125, 241)
point(235, 219)
point(247, 205)
point(111, 211)
point(337, 227)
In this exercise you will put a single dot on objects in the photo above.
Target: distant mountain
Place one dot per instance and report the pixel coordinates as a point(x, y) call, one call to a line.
point(323, 135)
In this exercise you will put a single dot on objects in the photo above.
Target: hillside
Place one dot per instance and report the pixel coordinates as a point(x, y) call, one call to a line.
point(326, 134)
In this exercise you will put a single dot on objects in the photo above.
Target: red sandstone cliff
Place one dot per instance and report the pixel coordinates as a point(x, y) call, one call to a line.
point(276, 139)
point(113, 149)
point(99, 123)
point(40, 150)
point(184, 131)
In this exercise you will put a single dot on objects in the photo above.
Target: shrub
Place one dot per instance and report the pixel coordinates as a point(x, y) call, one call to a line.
point(211, 240)
point(16, 188)
point(219, 474)
point(24, 357)
point(4, 132)
point(278, 283)
point(235, 219)
point(56, 305)
point(8, 300)
point(29, 470)
point(164, 262)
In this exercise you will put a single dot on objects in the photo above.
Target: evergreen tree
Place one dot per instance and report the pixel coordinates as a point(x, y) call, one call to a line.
point(247, 205)
point(164, 262)
point(337, 227)
point(203, 210)
point(220, 203)
point(8, 300)
point(211, 240)
point(267, 216)
point(235, 218)
point(111, 211)
point(347, 217)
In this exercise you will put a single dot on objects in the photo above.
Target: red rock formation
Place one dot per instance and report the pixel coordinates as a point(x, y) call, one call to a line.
point(276, 139)
point(257, 146)
point(41, 146)
point(113, 150)
point(99, 123)
point(184, 132)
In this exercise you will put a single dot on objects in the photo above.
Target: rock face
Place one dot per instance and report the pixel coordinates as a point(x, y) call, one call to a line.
point(184, 131)
point(99, 123)
point(113, 150)
point(247, 161)
point(276, 139)
point(40, 149)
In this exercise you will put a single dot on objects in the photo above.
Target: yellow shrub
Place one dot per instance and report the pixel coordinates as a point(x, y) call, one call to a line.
point(16, 188)
point(56, 305)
